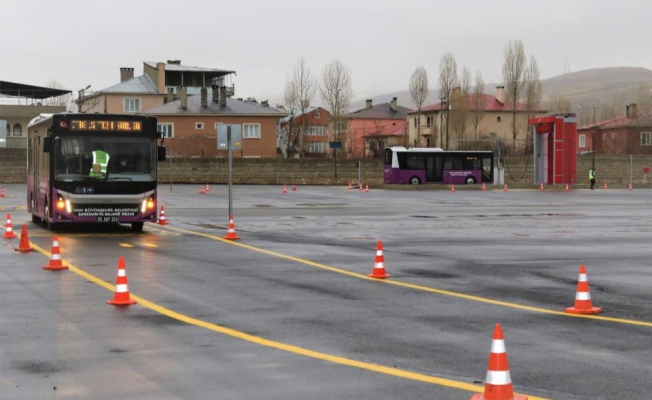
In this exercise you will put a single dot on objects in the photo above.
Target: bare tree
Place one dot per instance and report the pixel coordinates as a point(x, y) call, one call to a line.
point(336, 91)
point(643, 98)
point(62, 100)
point(513, 69)
point(459, 102)
point(447, 81)
point(477, 103)
point(532, 95)
point(559, 104)
point(419, 94)
point(300, 87)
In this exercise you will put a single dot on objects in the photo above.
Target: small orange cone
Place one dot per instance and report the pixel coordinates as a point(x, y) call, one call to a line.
point(605, 185)
point(583, 304)
point(2, 193)
point(629, 187)
point(505, 188)
point(453, 189)
point(360, 188)
point(24, 245)
point(484, 186)
point(9, 230)
point(230, 233)
point(366, 188)
point(208, 189)
point(55, 257)
point(379, 264)
point(201, 190)
point(498, 383)
point(121, 295)
point(162, 220)
point(294, 187)
point(567, 187)
point(541, 186)
point(350, 187)
point(285, 188)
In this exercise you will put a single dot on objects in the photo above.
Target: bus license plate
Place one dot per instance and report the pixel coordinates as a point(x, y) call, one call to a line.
point(107, 219)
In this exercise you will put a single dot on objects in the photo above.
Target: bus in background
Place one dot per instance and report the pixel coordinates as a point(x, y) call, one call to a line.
point(92, 168)
point(433, 165)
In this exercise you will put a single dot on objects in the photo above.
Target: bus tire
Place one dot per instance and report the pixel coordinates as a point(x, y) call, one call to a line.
point(51, 225)
point(35, 219)
point(469, 180)
point(414, 180)
point(137, 226)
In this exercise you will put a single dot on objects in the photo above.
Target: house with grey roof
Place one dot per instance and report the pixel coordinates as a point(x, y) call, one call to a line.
point(372, 128)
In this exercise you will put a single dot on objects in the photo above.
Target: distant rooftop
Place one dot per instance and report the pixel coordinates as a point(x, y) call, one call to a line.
point(380, 111)
point(233, 107)
point(174, 67)
point(139, 84)
point(28, 91)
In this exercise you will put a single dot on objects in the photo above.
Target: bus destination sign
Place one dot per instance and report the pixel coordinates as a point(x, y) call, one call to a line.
point(104, 125)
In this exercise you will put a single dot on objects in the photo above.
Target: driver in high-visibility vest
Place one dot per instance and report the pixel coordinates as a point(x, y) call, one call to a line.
point(102, 158)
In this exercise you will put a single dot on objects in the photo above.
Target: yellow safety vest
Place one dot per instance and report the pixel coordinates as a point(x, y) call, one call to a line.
point(102, 158)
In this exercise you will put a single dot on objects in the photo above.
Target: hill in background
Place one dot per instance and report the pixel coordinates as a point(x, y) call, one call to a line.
point(589, 88)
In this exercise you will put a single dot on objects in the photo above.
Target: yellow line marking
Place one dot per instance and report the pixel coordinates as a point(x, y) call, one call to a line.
point(125, 245)
point(418, 287)
point(150, 245)
point(281, 346)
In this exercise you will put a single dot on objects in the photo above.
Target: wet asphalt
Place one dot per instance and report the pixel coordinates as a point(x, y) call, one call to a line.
point(465, 261)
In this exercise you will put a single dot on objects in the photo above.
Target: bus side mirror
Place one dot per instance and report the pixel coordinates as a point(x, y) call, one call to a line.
point(47, 144)
point(161, 153)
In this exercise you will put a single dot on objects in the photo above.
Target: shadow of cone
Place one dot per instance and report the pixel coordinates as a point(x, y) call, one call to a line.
point(9, 230)
point(498, 384)
point(379, 264)
point(55, 257)
point(230, 233)
point(162, 220)
point(583, 304)
point(24, 245)
point(121, 296)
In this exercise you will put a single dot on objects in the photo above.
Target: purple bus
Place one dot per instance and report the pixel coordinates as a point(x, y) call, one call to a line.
point(92, 168)
point(433, 165)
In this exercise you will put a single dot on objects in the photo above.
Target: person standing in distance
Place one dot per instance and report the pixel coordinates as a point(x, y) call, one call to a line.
point(592, 177)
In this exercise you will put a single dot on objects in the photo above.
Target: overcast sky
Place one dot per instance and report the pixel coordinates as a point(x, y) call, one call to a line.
point(82, 43)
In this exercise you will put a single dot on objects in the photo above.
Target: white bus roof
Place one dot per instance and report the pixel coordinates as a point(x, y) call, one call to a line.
point(420, 149)
point(37, 120)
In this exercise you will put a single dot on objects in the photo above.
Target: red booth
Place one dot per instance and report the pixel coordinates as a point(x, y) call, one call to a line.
point(555, 149)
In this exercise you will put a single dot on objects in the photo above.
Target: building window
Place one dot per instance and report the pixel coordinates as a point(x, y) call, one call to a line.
point(167, 130)
point(18, 129)
point(316, 130)
point(582, 141)
point(317, 116)
point(646, 138)
point(316, 147)
point(604, 136)
point(415, 122)
point(132, 105)
point(251, 131)
point(199, 125)
point(499, 119)
point(428, 122)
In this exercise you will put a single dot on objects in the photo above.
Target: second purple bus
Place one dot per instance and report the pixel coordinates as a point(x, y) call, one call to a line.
point(417, 166)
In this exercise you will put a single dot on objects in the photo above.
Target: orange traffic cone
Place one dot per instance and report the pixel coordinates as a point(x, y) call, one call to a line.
point(484, 186)
point(583, 304)
point(24, 245)
point(2, 193)
point(350, 187)
point(366, 188)
point(541, 186)
point(505, 188)
point(55, 258)
point(629, 187)
point(567, 187)
point(201, 190)
point(605, 185)
point(498, 384)
point(294, 187)
point(9, 230)
point(285, 188)
point(379, 264)
point(360, 188)
point(121, 295)
point(208, 189)
point(453, 189)
point(230, 233)
point(162, 220)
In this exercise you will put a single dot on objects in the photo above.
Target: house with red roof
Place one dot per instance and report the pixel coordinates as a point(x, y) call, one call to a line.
point(371, 129)
point(627, 134)
point(495, 120)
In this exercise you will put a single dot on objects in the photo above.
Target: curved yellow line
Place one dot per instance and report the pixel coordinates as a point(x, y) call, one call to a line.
point(418, 287)
point(278, 345)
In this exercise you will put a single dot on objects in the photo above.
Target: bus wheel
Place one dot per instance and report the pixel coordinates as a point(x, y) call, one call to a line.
point(415, 180)
point(35, 218)
point(137, 226)
point(51, 225)
point(469, 180)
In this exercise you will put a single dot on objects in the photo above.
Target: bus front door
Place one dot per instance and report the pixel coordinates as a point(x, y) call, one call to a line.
point(434, 169)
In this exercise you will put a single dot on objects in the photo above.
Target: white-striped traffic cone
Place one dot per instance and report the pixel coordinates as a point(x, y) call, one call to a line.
point(379, 264)
point(9, 229)
point(121, 297)
point(55, 258)
point(583, 303)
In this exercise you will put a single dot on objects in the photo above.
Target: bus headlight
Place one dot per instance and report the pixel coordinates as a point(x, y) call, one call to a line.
point(143, 208)
point(60, 204)
point(150, 204)
point(68, 206)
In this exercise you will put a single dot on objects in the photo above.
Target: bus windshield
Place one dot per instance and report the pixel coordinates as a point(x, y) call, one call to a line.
point(80, 158)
